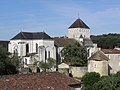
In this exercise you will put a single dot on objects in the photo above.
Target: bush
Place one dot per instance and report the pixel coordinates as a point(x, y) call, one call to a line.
point(89, 79)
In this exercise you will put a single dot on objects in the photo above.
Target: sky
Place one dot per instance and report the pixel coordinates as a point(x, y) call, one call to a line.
point(55, 16)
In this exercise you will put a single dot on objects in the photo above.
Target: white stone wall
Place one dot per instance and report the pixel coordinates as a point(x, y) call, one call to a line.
point(114, 62)
point(100, 67)
point(20, 46)
point(76, 32)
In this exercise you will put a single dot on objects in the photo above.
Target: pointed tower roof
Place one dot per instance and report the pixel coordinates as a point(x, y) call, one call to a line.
point(79, 24)
point(99, 56)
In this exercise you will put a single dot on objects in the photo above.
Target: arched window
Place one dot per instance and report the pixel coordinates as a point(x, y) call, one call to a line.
point(36, 48)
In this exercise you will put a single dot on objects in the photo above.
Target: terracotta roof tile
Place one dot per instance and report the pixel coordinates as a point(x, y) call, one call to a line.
point(111, 51)
point(39, 81)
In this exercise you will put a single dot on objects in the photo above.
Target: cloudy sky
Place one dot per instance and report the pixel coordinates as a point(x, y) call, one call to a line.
point(55, 16)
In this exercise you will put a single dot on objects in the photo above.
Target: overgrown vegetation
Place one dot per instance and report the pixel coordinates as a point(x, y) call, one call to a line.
point(45, 66)
point(93, 81)
point(8, 63)
point(75, 55)
point(107, 41)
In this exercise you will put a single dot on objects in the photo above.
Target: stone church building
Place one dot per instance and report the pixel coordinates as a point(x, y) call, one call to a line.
point(39, 46)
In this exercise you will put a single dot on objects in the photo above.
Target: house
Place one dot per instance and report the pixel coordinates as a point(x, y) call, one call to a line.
point(114, 62)
point(98, 62)
point(39, 81)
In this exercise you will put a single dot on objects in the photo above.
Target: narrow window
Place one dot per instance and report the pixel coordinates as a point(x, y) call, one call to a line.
point(36, 48)
point(25, 61)
point(45, 54)
point(27, 48)
point(49, 54)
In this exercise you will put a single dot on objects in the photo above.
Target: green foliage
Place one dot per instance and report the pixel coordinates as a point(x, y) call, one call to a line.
point(8, 63)
point(89, 79)
point(74, 55)
point(45, 66)
point(108, 83)
point(107, 40)
point(94, 82)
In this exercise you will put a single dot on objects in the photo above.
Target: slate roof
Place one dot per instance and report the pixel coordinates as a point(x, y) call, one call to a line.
point(39, 81)
point(30, 35)
point(61, 42)
point(111, 51)
point(79, 24)
point(87, 42)
point(99, 56)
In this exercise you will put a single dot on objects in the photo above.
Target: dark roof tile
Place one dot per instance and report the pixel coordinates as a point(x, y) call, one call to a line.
point(79, 24)
point(30, 35)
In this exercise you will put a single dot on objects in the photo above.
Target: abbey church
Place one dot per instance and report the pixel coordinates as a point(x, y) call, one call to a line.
point(39, 46)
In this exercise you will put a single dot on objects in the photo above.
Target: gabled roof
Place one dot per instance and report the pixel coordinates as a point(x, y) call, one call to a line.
point(61, 42)
point(30, 35)
point(38, 81)
point(111, 51)
point(99, 56)
point(79, 24)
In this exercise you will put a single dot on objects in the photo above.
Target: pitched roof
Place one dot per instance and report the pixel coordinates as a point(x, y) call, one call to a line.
point(98, 56)
point(111, 51)
point(30, 35)
point(87, 42)
point(39, 81)
point(61, 42)
point(79, 24)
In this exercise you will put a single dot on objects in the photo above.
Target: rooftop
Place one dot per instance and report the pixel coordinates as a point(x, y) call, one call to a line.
point(111, 51)
point(99, 56)
point(39, 81)
point(79, 24)
point(31, 35)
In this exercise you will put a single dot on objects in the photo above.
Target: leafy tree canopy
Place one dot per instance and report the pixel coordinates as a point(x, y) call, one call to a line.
point(107, 41)
point(45, 66)
point(8, 63)
point(93, 81)
point(74, 55)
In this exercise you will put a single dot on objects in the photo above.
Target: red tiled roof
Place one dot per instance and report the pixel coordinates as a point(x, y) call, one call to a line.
point(39, 81)
point(111, 51)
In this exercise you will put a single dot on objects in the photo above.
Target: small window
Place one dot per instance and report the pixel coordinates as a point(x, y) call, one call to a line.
point(25, 61)
point(36, 48)
point(27, 48)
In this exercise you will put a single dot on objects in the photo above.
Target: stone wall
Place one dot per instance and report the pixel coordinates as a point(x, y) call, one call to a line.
point(78, 71)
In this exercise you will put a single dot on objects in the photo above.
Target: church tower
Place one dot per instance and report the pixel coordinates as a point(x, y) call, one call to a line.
point(79, 29)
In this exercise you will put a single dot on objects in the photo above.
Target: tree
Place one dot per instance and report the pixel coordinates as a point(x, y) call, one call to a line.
point(74, 55)
point(107, 83)
point(89, 79)
point(8, 63)
point(45, 66)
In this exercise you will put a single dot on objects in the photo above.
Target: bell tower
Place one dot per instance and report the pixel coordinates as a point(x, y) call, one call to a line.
point(78, 29)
